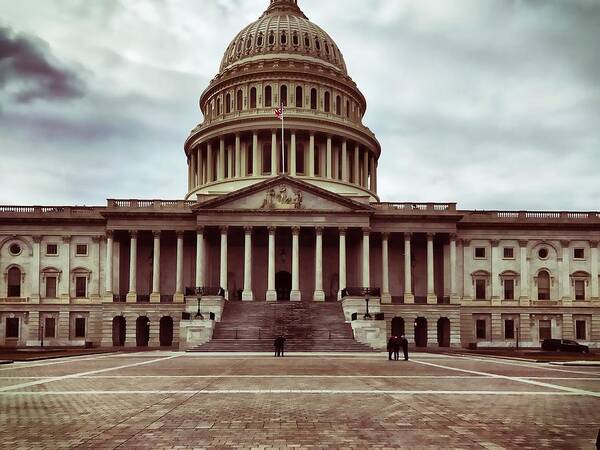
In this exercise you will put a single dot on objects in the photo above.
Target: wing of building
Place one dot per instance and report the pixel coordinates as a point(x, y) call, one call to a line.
point(288, 236)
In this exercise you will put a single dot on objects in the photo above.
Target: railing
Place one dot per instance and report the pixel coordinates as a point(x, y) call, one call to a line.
point(530, 216)
point(160, 205)
point(14, 299)
point(271, 334)
point(52, 211)
point(143, 298)
point(418, 208)
point(167, 298)
point(206, 291)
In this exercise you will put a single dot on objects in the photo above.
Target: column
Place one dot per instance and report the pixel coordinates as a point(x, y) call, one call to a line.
point(271, 292)
point(594, 270)
point(372, 171)
point(357, 165)
point(221, 166)
point(193, 165)
point(108, 271)
point(244, 162)
point(431, 296)
point(199, 162)
point(238, 156)
point(178, 298)
point(409, 297)
point(366, 272)
point(374, 174)
point(247, 294)
point(319, 295)
point(566, 272)
point(223, 266)
point(255, 168)
point(65, 285)
point(155, 296)
point(35, 269)
point(230, 162)
point(329, 160)
point(454, 298)
point(342, 258)
point(132, 294)
point(366, 169)
point(200, 257)
point(311, 156)
point(274, 165)
point(345, 161)
point(467, 281)
point(190, 172)
point(296, 296)
point(524, 273)
point(495, 282)
point(386, 297)
point(293, 155)
point(209, 164)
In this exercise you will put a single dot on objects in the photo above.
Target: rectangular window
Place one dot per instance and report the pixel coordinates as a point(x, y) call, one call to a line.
point(509, 329)
point(50, 287)
point(80, 327)
point(480, 286)
point(579, 289)
point(52, 249)
point(481, 328)
point(509, 253)
point(578, 253)
point(81, 250)
point(12, 327)
point(50, 327)
point(479, 252)
point(81, 287)
point(545, 329)
point(509, 289)
point(580, 330)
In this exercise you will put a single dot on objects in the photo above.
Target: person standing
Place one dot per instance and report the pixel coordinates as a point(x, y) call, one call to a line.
point(390, 346)
point(277, 347)
point(404, 343)
point(281, 345)
point(397, 343)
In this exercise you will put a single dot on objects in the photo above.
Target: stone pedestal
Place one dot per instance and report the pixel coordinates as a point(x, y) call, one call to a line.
point(194, 332)
point(208, 305)
point(358, 305)
point(370, 332)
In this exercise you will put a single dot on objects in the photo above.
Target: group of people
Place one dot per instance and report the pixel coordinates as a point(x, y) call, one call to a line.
point(393, 348)
point(279, 344)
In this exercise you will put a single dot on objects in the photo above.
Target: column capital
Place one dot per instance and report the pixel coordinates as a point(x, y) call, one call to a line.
point(594, 244)
point(465, 242)
point(430, 236)
point(453, 237)
point(271, 229)
point(385, 235)
point(224, 229)
point(248, 229)
point(97, 239)
point(296, 230)
point(408, 236)
point(319, 230)
point(37, 239)
point(343, 230)
point(109, 234)
point(200, 229)
point(565, 243)
point(133, 233)
point(523, 243)
point(180, 234)
point(156, 234)
point(66, 239)
point(366, 230)
point(495, 242)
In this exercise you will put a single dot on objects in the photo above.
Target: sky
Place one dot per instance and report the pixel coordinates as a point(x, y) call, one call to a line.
point(494, 104)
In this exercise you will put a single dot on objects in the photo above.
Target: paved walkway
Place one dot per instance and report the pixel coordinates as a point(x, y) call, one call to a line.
point(175, 400)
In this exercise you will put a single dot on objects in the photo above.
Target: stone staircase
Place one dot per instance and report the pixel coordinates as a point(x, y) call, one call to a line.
point(307, 327)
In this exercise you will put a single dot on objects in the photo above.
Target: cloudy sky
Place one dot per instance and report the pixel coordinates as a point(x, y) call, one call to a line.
point(494, 104)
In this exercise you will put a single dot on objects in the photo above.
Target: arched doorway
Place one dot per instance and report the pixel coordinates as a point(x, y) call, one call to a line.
point(166, 331)
point(397, 326)
point(119, 327)
point(283, 285)
point(14, 282)
point(142, 331)
point(421, 332)
point(443, 332)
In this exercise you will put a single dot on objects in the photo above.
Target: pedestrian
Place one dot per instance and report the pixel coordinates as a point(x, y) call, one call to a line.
point(397, 343)
point(281, 345)
point(404, 343)
point(277, 344)
point(390, 346)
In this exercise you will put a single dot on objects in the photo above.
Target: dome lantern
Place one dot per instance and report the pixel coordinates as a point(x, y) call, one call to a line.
point(284, 6)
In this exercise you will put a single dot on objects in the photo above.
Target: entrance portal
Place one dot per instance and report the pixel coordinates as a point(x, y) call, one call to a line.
point(397, 326)
point(421, 332)
point(142, 331)
point(119, 326)
point(283, 286)
point(443, 332)
point(166, 331)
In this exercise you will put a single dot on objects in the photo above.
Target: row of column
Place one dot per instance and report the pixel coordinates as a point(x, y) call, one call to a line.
point(202, 162)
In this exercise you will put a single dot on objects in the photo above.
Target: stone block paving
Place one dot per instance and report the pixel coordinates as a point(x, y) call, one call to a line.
point(214, 415)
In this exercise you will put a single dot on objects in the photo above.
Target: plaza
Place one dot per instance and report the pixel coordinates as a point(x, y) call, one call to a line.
point(181, 400)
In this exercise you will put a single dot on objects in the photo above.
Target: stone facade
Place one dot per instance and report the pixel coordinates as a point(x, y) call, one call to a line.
point(301, 223)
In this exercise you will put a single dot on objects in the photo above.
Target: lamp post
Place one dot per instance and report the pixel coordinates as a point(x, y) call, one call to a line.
point(517, 337)
point(199, 292)
point(42, 335)
point(366, 293)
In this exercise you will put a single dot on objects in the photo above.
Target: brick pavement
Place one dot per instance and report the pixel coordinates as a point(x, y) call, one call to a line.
point(298, 403)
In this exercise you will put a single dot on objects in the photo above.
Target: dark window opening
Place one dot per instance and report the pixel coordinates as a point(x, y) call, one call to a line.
point(509, 253)
point(268, 96)
point(240, 100)
point(480, 252)
point(580, 330)
point(299, 95)
point(227, 103)
point(52, 249)
point(543, 282)
point(253, 97)
point(509, 289)
point(80, 287)
point(480, 288)
point(14, 282)
point(579, 253)
point(283, 94)
point(12, 328)
point(545, 329)
point(50, 327)
point(509, 329)
point(313, 99)
point(50, 287)
point(295, 39)
point(481, 329)
point(80, 327)
point(300, 169)
point(579, 289)
point(266, 159)
point(317, 166)
point(327, 102)
point(271, 39)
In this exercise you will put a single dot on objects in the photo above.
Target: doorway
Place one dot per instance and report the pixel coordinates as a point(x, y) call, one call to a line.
point(142, 331)
point(119, 327)
point(166, 331)
point(443, 332)
point(283, 286)
point(421, 332)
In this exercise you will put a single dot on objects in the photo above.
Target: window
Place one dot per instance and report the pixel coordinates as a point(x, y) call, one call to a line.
point(338, 105)
point(259, 41)
point(509, 329)
point(306, 41)
point(480, 252)
point(239, 100)
point(283, 94)
point(12, 327)
point(317, 44)
point(14, 282)
point(248, 42)
point(481, 328)
point(299, 95)
point(266, 159)
point(283, 38)
point(15, 249)
point(271, 38)
point(228, 103)
point(51, 249)
point(295, 39)
point(347, 109)
point(509, 289)
point(509, 253)
point(579, 289)
point(480, 286)
point(579, 253)
point(580, 330)
point(327, 102)
point(80, 287)
point(218, 107)
point(253, 97)
point(313, 99)
point(50, 287)
point(268, 96)
point(80, 327)
point(50, 327)
point(543, 282)
point(300, 159)
point(545, 329)
point(81, 250)
point(543, 253)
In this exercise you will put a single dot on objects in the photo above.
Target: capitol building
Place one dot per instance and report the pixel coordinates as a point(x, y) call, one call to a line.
point(289, 236)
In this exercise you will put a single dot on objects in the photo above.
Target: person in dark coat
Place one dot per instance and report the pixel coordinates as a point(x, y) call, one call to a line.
point(397, 343)
point(277, 346)
point(281, 345)
point(404, 343)
point(390, 346)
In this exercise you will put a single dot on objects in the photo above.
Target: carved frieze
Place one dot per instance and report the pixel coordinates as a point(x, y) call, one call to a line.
point(282, 198)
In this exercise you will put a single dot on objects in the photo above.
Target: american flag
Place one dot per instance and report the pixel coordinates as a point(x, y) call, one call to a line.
point(279, 112)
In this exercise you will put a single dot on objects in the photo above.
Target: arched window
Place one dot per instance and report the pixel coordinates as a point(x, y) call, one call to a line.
point(295, 39)
point(240, 100)
point(283, 38)
point(317, 44)
point(347, 108)
point(248, 42)
point(228, 103)
point(299, 95)
point(271, 38)
point(543, 282)
point(313, 98)
point(14, 282)
point(218, 107)
point(338, 105)
point(253, 97)
point(327, 102)
point(259, 41)
point(306, 41)
point(326, 48)
point(283, 94)
point(268, 96)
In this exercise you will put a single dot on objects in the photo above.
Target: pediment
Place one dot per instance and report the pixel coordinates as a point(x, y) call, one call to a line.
point(284, 194)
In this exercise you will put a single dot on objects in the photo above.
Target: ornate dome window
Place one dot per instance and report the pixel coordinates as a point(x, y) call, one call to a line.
point(248, 42)
point(313, 98)
point(295, 39)
point(218, 107)
point(228, 103)
point(283, 38)
point(327, 102)
point(318, 44)
point(239, 100)
point(268, 96)
point(306, 41)
point(239, 47)
point(259, 41)
point(283, 94)
point(252, 97)
point(271, 38)
point(326, 48)
point(299, 95)
point(338, 105)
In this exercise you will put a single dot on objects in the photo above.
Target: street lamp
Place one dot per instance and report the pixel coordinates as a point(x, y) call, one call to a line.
point(367, 293)
point(42, 335)
point(199, 292)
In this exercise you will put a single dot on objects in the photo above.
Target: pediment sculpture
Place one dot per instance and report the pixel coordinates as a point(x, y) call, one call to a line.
point(280, 198)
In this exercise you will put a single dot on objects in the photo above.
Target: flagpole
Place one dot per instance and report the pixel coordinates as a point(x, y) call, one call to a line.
point(282, 142)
